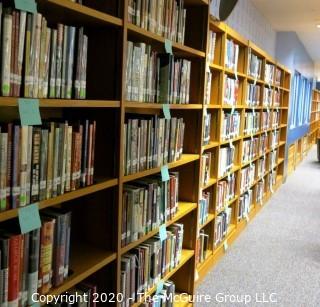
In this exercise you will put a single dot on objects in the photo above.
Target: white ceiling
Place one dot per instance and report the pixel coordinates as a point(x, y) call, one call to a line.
point(300, 16)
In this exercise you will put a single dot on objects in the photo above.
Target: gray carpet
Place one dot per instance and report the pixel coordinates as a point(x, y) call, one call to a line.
point(279, 251)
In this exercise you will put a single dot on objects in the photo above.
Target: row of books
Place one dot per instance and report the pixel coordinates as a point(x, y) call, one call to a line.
point(251, 123)
point(269, 71)
point(276, 97)
point(269, 120)
point(253, 95)
point(254, 65)
point(230, 127)
point(245, 203)
point(275, 138)
point(202, 246)
point(221, 225)
point(204, 204)
point(166, 18)
point(83, 294)
point(151, 142)
point(155, 77)
point(41, 162)
point(165, 298)
point(260, 192)
point(41, 62)
point(144, 266)
point(232, 55)
point(226, 158)
point(226, 191)
point(267, 97)
point(205, 168)
point(231, 91)
point(207, 92)
point(250, 148)
point(147, 204)
point(273, 158)
point(206, 128)
point(36, 261)
point(211, 46)
point(261, 168)
point(247, 177)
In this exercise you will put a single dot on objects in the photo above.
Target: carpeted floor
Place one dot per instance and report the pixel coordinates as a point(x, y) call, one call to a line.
point(279, 252)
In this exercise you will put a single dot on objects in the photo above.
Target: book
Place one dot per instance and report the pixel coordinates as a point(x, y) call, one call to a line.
point(206, 129)
point(204, 204)
point(205, 169)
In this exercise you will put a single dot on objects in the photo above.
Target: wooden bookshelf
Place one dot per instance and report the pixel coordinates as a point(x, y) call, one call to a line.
point(99, 206)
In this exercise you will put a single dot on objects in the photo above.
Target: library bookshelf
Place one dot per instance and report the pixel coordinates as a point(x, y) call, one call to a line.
point(96, 248)
point(314, 118)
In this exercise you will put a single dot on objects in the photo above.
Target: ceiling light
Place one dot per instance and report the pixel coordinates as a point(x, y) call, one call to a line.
point(318, 25)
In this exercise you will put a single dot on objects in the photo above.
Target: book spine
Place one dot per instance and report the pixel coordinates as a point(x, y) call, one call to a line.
point(3, 170)
point(22, 35)
point(14, 269)
point(23, 165)
point(53, 64)
point(6, 54)
point(46, 252)
point(34, 252)
point(9, 165)
point(59, 61)
point(36, 152)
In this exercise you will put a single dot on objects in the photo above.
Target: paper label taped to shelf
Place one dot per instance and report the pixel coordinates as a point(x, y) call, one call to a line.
point(168, 46)
point(165, 173)
point(159, 287)
point(162, 232)
point(29, 112)
point(26, 5)
point(29, 218)
point(166, 111)
point(225, 245)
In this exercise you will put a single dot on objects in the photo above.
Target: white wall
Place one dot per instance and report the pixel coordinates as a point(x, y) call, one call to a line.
point(251, 24)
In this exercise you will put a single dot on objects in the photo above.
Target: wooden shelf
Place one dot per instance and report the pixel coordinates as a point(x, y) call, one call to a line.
point(210, 145)
point(63, 103)
point(185, 256)
point(144, 105)
point(209, 184)
point(85, 260)
point(80, 11)
point(177, 48)
point(184, 208)
point(13, 213)
point(209, 220)
point(185, 159)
